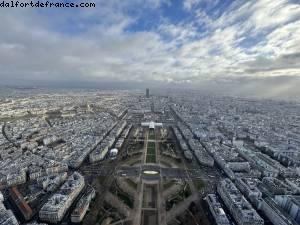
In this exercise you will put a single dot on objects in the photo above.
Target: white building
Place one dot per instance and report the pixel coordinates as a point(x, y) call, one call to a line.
point(6, 216)
point(239, 207)
point(56, 207)
point(216, 210)
point(151, 124)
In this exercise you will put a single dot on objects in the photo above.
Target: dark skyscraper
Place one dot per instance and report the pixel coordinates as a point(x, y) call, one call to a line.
point(147, 93)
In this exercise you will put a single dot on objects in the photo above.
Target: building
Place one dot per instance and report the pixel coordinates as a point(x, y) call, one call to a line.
point(55, 208)
point(6, 216)
point(103, 148)
point(239, 166)
point(151, 124)
point(276, 186)
point(248, 186)
point(216, 210)
point(113, 152)
point(274, 213)
point(290, 204)
point(294, 184)
point(21, 204)
point(83, 205)
point(147, 93)
point(200, 153)
point(51, 183)
point(239, 207)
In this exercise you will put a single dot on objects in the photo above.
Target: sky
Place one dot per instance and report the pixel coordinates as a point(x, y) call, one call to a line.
point(237, 45)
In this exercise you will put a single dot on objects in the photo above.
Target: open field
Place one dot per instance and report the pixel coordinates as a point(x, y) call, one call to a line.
point(151, 153)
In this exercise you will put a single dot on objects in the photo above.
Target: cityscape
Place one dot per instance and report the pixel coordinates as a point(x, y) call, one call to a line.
point(149, 112)
point(133, 157)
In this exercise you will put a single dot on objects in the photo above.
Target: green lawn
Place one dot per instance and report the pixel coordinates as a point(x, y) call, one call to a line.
point(151, 153)
point(126, 199)
point(151, 136)
point(150, 159)
point(131, 183)
point(151, 145)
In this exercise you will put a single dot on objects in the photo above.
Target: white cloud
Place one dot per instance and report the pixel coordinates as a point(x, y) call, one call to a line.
point(32, 48)
point(189, 4)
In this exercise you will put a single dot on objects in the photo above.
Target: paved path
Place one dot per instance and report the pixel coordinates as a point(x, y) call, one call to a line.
point(181, 207)
point(136, 171)
point(119, 205)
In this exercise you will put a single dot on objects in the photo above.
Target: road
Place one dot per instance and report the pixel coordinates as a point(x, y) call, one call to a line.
point(136, 171)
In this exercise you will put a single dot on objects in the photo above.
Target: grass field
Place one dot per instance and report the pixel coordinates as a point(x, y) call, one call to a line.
point(131, 183)
point(126, 199)
point(151, 136)
point(150, 159)
point(151, 145)
point(151, 153)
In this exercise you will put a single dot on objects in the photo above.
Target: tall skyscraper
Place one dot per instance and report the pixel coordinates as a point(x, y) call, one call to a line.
point(147, 93)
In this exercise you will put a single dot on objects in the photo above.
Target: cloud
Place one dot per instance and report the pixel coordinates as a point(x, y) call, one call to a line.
point(209, 40)
point(289, 62)
point(206, 4)
point(189, 4)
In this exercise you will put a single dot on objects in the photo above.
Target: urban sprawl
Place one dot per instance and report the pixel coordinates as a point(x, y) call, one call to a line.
point(133, 157)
